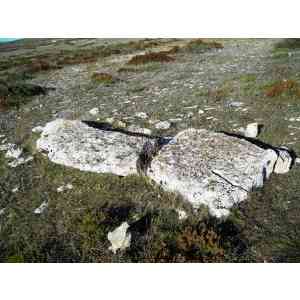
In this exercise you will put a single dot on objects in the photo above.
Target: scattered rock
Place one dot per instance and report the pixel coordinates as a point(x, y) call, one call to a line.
point(119, 238)
point(284, 161)
point(16, 189)
point(251, 130)
point(94, 111)
point(14, 152)
point(163, 125)
point(41, 208)
point(90, 148)
point(211, 168)
point(201, 112)
point(20, 161)
point(63, 188)
point(234, 104)
point(182, 215)
point(110, 120)
point(6, 147)
point(141, 115)
point(2, 210)
point(37, 129)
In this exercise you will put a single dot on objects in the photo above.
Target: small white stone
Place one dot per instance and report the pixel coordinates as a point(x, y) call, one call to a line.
point(201, 112)
point(14, 152)
point(20, 161)
point(94, 111)
point(190, 114)
point(110, 120)
point(163, 125)
point(2, 210)
point(297, 160)
point(63, 188)
point(141, 115)
point(16, 189)
point(37, 129)
point(41, 208)
point(119, 238)
point(251, 130)
point(182, 215)
point(6, 147)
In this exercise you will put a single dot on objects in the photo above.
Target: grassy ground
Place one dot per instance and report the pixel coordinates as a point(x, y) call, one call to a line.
point(208, 78)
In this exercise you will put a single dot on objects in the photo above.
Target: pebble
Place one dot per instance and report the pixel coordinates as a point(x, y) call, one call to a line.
point(141, 115)
point(41, 208)
point(94, 111)
point(162, 125)
point(63, 188)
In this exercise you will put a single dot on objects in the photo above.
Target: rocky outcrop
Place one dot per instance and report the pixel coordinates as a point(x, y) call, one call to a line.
point(210, 168)
point(78, 145)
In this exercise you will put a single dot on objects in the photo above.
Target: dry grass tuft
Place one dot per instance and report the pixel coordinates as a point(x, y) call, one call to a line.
point(103, 78)
point(281, 87)
point(198, 45)
point(150, 57)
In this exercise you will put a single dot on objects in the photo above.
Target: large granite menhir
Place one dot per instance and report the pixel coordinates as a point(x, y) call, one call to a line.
point(205, 167)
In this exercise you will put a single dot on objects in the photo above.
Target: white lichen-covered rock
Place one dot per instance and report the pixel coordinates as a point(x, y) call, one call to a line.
point(141, 115)
point(252, 130)
point(94, 111)
point(37, 129)
point(63, 188)
point(284, 161)
point(77, 145)
point(182, 215)
point(14, 152)
point(211, 168)
point(15, 155)
point(41, 208)
point(163, 125)
point(20, 161)
point(119, 238)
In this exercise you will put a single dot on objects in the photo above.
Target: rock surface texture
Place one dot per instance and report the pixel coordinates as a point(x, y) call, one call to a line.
point(75, 144)
point(205, 167)
point(211, 168)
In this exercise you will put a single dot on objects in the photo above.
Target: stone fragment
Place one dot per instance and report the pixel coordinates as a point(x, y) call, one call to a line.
point(141, 115)
point(251, 130)
point(163, 125)
point(41, 208)
point(284, 161)
point(119, 238)
point(94, 111)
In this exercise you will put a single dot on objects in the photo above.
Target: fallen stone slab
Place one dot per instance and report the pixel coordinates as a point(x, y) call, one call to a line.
point(211, 168)
point(88, 146)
